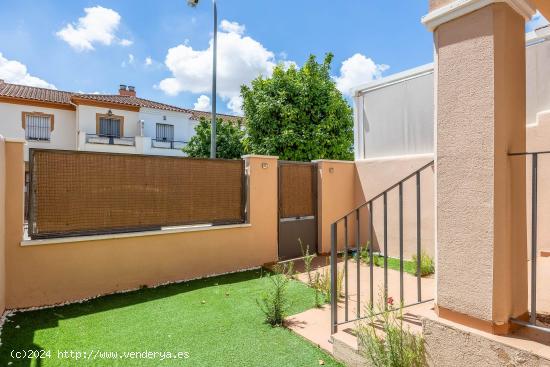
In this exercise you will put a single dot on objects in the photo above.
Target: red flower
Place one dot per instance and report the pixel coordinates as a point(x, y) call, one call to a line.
point(390, 301)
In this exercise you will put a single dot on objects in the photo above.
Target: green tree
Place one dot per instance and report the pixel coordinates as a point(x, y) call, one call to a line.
point(229, 138)
point(298, 114)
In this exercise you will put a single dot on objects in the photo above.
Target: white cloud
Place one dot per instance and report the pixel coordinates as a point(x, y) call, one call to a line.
point(97, 26)
point(357, 70)
point(129, 62)
point(125, 42)
point(240, 60)
point(148, 61)
point(232, 27)
point(13, 71)
point(203, 103)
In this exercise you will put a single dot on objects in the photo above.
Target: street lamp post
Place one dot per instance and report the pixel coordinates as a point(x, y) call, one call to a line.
point(194, 3)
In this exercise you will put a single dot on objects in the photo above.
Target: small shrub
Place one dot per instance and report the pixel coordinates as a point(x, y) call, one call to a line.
point(392, 346)
point(426, 264)
point(322, 282)
point(275, 304)
point(308, 258)
point(318, 302)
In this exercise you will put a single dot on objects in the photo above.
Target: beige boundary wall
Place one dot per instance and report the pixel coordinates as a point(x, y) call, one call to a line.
point(47, 272)
point(343, 186)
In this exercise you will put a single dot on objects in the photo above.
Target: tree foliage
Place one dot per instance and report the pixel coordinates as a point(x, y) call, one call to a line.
point(298, 114)
point(229, 140)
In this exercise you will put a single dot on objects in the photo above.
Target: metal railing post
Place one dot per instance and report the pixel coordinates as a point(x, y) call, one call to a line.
point(534, 178)
point(418, 241)
point(385, 250)
point(371, 257)
point(333, 275)
point(401, 280)
point(346, 267)
point(358, 249)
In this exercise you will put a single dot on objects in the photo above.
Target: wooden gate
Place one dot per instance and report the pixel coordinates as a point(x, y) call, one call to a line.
point(297, 208)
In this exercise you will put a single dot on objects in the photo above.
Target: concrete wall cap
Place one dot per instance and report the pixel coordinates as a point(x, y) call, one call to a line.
point(331, 161)
point(398, 157)
point(15, 140)
point(459, 8)
point(101, 237)
point(259, 156)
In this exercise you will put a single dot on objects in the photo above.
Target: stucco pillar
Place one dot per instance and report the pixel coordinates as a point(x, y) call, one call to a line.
point(480, 117)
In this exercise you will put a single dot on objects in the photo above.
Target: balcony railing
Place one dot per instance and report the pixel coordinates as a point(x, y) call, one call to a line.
point(110, 140)
point(168, 144)
point(533, 321)
point(354, 216)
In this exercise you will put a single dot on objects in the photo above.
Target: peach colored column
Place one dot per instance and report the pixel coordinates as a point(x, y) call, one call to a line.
point(337, 195)
point(2, 225)
point(480, 192)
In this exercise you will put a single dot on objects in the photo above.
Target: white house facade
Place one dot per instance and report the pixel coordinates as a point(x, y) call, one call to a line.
point(394, 116)
point(119, 123)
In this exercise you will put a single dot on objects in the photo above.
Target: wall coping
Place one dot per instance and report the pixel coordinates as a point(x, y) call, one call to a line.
point(101, 237)
point(403, 157)
point(15, 140)
point(458, 8)
point(332, 161)
point(259, 156)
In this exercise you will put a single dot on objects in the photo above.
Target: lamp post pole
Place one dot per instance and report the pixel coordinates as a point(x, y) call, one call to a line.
point(214, 62)
point(194, 3)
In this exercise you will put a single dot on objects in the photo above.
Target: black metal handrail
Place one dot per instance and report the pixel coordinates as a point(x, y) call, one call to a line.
point(172, 143)
point(386, 190)
point(334, 252)
point(111, 138)
point(532, 323)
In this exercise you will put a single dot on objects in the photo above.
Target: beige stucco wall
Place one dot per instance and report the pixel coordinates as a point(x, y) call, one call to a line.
point(46, 274)
point(63, 135)
point(480, 117)
point(377, 175)
point(338, 193)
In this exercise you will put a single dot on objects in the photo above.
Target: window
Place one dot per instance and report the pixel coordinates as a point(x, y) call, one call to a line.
point(165, 132)
point(110, 127)
point(38, 126)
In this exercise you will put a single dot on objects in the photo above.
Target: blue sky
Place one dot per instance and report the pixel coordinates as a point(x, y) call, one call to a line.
point(64, 45)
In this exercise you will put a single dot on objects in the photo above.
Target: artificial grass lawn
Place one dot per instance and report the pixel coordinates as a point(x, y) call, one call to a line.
point(216, 320)
point(393, 263)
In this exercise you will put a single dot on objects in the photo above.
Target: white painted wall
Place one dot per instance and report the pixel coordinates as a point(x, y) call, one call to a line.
point(184, 127)
point(62, 137)
point(538, 80)
point(395, 115)
point(71, 127)
point(87, 119)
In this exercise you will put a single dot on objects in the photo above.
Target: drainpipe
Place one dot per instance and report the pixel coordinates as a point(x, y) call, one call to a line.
point(77, 124)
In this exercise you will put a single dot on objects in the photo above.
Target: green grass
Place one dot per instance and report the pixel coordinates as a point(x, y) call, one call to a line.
point(409, 266)
point(216, 320)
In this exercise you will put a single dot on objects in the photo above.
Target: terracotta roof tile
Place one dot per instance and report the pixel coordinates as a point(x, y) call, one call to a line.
point(57, 96)
point(34, 93)
point(196, 115)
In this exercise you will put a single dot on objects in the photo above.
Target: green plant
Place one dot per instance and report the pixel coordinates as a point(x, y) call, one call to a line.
point(308, 258)
point(318, 302)
point(322, 282)
point(385, 342)
point(274, 304)
point(426, 264)
point(229, 140)
point(409, 266)
point(298, 114)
